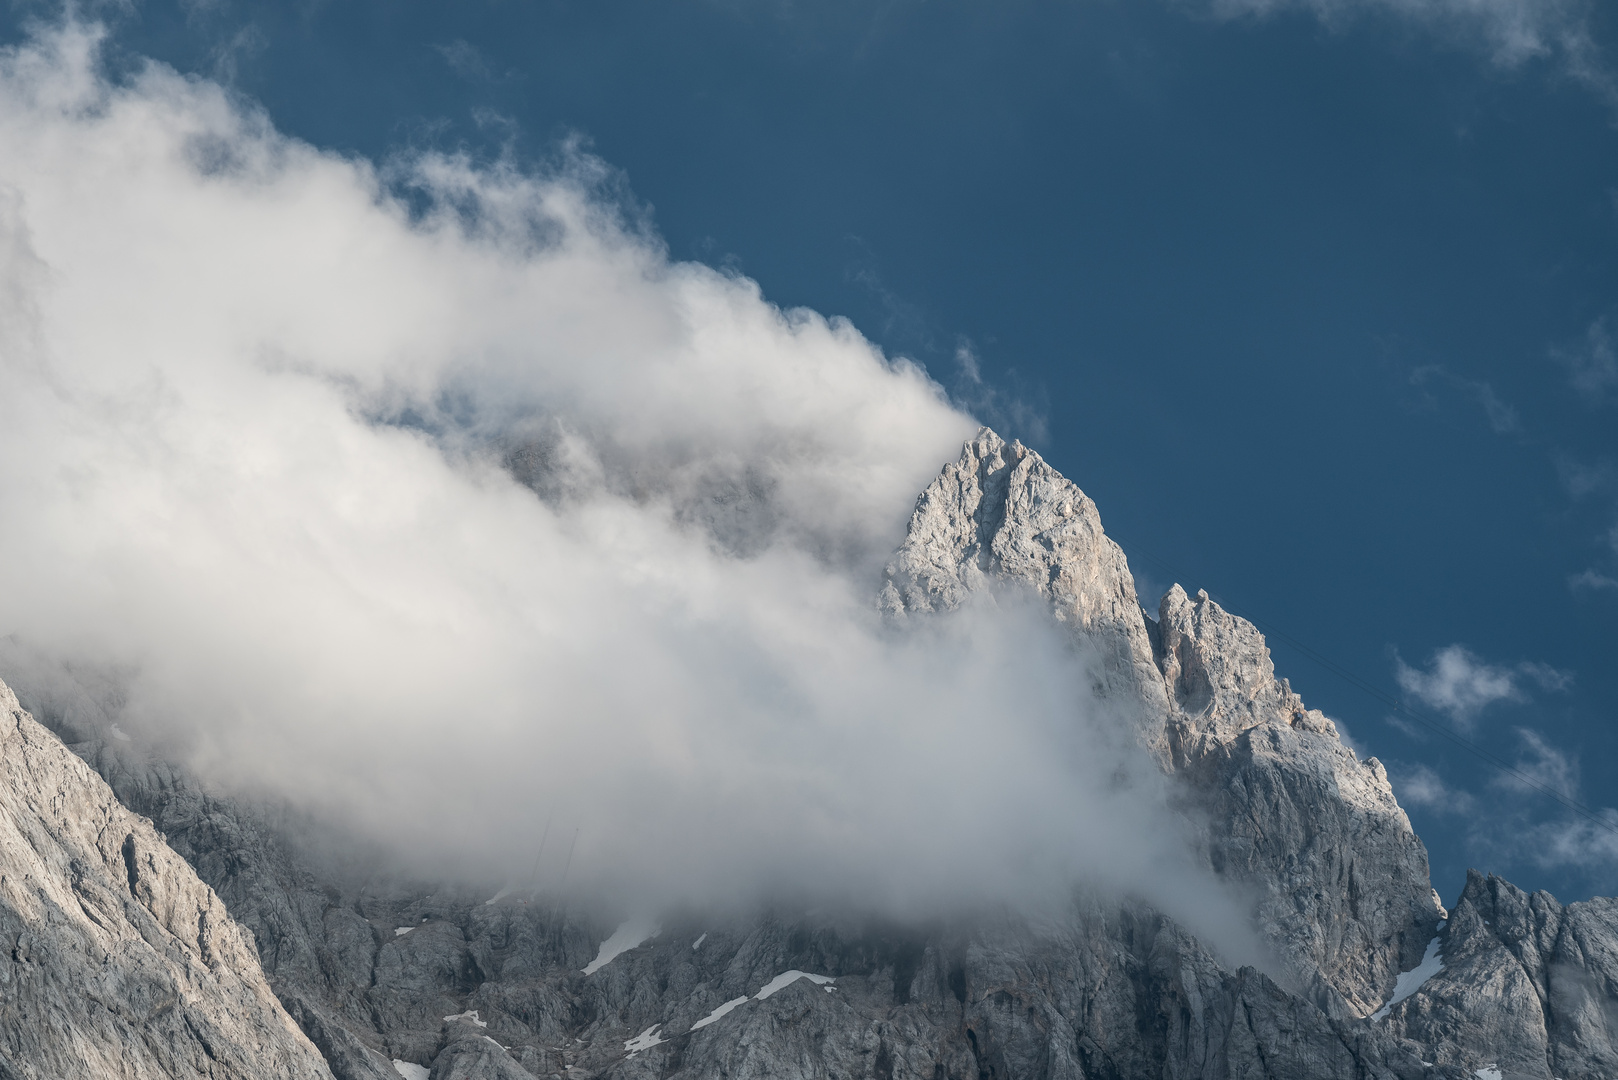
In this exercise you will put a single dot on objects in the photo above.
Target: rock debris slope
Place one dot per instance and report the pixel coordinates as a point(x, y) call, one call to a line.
point(391, 978)
point(119, 961)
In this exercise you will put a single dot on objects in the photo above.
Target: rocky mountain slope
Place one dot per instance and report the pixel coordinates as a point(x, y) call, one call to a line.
point(118, 961)
point(1345, 893)
point(389, 978)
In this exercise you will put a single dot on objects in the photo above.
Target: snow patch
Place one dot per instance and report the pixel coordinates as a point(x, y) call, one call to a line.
point(1410, 981)
point(409, 1070)
point(628, 936)
point(401, 931)
point(118, 733)
point(644, 1041)
point(787, 978)
point(471, 1015)
point(1488, 1072)
point(501, 895)
point(697, 944)
point(721, 1011)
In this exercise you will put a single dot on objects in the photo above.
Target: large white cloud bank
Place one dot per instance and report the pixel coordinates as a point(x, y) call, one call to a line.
point(455, 515)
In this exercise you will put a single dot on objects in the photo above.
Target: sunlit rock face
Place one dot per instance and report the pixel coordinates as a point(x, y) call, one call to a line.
point(459, 981)
point(1000, 514)
point(1342, 880)
point(118, 961)
point(1528, 983)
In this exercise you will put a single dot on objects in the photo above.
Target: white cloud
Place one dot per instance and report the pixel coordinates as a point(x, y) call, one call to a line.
point(1457, 683)
point(1461, 685)
point(255, 418)
point(1588, 846)
point(465, 59)
point(1592, 364)
point(1592, 581)
point(1580, 478)
point(1419, 785)
point(1502, 415)
point(1510, 32)
point(1544, 765)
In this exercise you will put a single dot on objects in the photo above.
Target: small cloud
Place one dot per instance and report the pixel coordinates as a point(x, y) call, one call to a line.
point(1579, 478)
point(1405, 727)
point(465, 60)
point(1551, 680)
point(1457, 683)
point(1006, 412)
point(1544, 765)
point(1511, 33)
point(1581, 842)
point(1419, 785)
point(1592, 364)
point(1592, 581)
point(1502, 416)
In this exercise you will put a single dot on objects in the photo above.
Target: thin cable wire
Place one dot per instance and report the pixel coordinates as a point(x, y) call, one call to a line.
point(1435, 726)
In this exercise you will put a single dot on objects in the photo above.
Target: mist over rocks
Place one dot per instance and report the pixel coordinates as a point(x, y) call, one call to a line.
point(1290, 813)
point(446, 976)
point(118, 961)
point(442, 579)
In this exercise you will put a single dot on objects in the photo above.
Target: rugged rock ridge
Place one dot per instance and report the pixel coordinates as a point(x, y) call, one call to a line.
point(482, 988)
point(479, 985)
point(1343, 882)
point(1526, 982)
point(119, 962)
point(1000, 514)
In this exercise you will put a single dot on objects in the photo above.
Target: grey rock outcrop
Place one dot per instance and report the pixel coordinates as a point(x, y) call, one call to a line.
point(118, 961)
point(1343, 885)
point(1344, 889)
point(1527, 985)
point(1001, 514)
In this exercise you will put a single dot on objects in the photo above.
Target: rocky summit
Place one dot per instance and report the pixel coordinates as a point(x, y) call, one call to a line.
point(153, 928)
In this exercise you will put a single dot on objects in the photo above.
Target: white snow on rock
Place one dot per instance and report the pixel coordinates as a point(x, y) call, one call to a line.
point(644, 1041)
point(787, 978)
point(626, 937)
point(1410, 981)
point(401, 931)
point(697, 944)
point(1488, 1072)
point(118, 733)
point(410, 1070)
point(721, 1011)
point(472, 1015)
point(499, 896)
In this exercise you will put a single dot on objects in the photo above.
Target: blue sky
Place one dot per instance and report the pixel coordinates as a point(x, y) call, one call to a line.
point(1318, 301)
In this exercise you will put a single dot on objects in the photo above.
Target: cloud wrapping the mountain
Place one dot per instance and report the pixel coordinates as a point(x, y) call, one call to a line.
point(438, 500)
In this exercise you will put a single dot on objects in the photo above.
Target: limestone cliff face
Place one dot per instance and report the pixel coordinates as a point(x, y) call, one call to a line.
point(1001, 514)
point(1342, 879)
point(1526, 982)
point(118, 961)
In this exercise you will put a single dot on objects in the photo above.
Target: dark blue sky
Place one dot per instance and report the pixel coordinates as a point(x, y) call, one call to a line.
point(1301, 306)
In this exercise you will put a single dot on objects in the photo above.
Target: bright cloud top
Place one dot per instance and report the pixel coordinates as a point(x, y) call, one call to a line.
point(262, 432)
